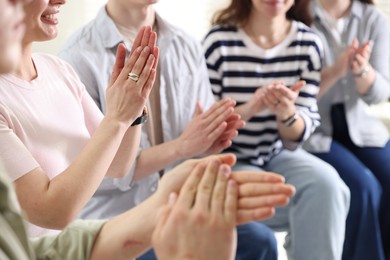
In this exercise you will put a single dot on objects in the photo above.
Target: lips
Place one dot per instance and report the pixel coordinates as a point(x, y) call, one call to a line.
point(50, 15)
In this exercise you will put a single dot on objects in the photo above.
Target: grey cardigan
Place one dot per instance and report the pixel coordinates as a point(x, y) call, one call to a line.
point(365, 22)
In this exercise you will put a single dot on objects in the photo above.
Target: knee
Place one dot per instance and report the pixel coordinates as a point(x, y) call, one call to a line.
point(256, 241)
point(326, 185)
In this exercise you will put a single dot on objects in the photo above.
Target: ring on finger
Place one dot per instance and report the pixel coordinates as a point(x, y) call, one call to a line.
point(133, 76)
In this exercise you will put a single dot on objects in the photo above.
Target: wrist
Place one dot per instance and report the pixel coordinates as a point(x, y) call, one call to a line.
point(289, 121)
point(364, 73)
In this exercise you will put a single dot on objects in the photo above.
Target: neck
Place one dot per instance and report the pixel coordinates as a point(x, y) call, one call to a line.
point(267, 32)
point(130, 16)
point(336, 8)
point(26, 69)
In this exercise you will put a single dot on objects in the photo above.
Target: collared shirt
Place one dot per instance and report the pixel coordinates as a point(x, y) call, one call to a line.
point(365, 22)
point(75, 242)
point(183, 81)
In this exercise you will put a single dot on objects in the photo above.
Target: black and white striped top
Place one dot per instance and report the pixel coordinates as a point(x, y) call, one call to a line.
point(237, 67)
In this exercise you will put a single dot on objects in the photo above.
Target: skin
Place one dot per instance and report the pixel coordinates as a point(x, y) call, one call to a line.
point(56, 202)
point(208, 132)
point(354, 59)
point(267, 26)
point(235, 197)
point(257, 194)
point(11, 32)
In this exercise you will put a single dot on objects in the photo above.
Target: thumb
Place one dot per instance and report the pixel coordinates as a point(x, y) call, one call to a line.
point(198, 109)
point(298, 86)
point(355, 43)
point(119, 63)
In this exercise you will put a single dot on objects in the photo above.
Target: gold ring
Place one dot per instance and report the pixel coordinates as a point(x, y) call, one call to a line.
point(133, 76)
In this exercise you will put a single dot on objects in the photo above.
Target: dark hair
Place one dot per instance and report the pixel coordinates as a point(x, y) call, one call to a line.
point(370, 2)
point(237, 13)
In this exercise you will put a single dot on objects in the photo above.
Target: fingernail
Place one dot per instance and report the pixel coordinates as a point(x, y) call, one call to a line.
point(146, 49)
point(225, 170)
point(138, 49)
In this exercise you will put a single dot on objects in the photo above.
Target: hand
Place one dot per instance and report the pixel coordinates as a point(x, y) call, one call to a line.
point(281, 99)
point(200, 223)
point(361, 59)
point(208, 131)
point(259, 192)
point(126, 98)
point(343, 62)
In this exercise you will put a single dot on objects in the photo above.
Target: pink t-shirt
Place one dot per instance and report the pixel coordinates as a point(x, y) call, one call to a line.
point(45, 122)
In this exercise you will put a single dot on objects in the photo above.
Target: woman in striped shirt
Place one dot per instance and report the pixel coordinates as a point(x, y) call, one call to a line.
point(263, 54)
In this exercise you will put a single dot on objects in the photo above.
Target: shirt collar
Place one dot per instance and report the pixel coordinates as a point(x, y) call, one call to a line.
point(108, 32)
point(357, 9)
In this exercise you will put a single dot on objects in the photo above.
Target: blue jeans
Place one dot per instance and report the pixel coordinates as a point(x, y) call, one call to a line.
point(315, 217)
point(255, 242)
point(366, 171)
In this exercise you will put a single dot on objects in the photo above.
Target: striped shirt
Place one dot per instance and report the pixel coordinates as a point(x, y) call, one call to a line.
point(237, 67)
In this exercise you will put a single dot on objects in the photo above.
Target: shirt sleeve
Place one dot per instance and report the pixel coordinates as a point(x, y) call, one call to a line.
point(213, 62)
point(74, 242)
point(16, 159)
point(306, 102)
point(380, 61)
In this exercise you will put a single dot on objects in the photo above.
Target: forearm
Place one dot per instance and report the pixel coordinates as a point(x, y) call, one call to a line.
point(156, 158)
point(129, 234)
point(329, 77)
point(58, 201)
point(127, 153)
point(247, 110)
point(292, 133)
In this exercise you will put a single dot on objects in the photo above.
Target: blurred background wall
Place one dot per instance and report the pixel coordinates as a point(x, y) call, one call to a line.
point(191, 15)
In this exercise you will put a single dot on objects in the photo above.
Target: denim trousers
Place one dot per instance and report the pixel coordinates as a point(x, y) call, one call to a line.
point(316, 215)
point(366, 171)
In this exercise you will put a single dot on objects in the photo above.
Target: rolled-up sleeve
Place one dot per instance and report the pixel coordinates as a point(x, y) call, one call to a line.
point(74, 242)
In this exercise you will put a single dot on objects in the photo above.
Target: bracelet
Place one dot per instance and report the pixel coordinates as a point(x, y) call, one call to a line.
point(141, 119)
point(364, 72)
point(291, 120)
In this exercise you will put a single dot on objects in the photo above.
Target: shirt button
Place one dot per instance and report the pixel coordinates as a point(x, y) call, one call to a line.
point(344, 81)
point(153, 188)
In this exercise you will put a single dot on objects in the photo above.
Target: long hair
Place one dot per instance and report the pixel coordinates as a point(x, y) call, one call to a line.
point(238, 11)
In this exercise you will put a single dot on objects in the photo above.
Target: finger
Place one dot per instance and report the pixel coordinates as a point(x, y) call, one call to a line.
point(146, 70)
point(146, 37)
point(245, 216)
point(140, 63)
point(147, 87)
point(231, 202)
point(215, 120)
point(298, 85)
point(138, 39)
point(258, 189)
point(206, 186)
point(162, 219)
point(130, 63)
point(156, 53)
point(198, 109)
point(263, 201)
point(360, 60)
point(256, 176)
point(119, 63)
point(188, 192)
point(225, 158)
point(355, 43)
point(152, 40)
point(220, 188)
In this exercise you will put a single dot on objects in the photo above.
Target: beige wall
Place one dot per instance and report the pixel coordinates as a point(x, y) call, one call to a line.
point(194, 17)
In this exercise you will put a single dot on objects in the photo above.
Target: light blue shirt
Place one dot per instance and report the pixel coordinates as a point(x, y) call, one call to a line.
point(183, 81)
point(365, 22)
